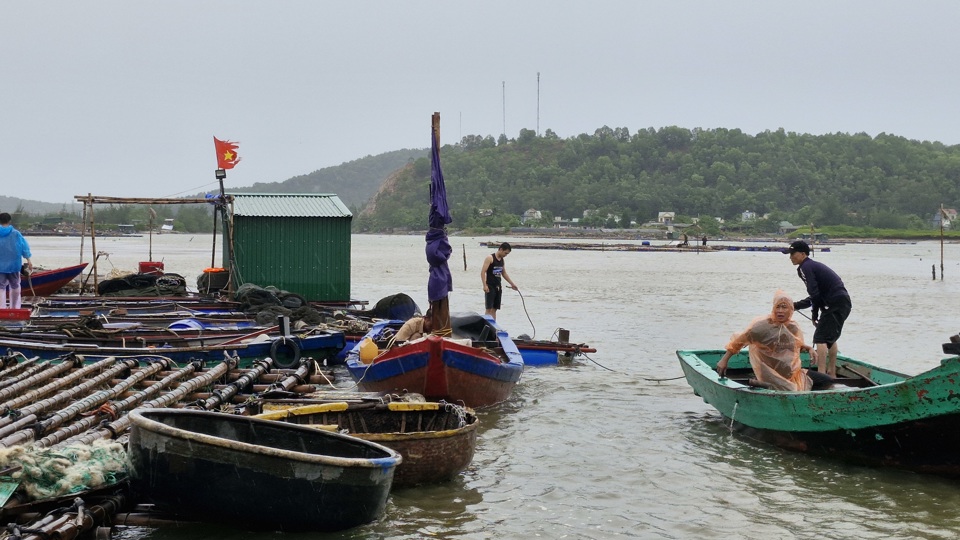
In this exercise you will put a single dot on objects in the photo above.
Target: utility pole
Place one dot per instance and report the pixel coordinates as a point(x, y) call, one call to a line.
point(538, 104)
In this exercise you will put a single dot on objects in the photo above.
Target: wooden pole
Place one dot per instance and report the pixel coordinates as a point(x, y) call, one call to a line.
point(83, 233)
point(93, 246)
point(153, 215)
point(813, 240)
point(942, 214)
point(440, 309)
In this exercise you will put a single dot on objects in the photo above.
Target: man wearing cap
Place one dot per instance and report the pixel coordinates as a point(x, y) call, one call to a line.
point(830, 301)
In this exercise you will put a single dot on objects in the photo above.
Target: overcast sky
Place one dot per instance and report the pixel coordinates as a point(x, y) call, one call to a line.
point(123, 98)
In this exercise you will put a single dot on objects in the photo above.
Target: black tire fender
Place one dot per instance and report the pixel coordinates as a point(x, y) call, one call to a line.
point(284, 345)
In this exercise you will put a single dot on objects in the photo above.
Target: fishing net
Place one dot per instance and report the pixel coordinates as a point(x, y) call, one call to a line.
point(144, 285)
point(266, 304)
point(54, 472)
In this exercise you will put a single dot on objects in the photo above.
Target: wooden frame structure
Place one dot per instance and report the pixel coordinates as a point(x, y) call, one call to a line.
point(89, 200)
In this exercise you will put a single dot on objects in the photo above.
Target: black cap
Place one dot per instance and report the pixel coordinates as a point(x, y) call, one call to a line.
point(798, 246)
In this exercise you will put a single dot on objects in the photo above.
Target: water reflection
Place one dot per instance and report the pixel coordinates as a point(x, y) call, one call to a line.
point(832, 498)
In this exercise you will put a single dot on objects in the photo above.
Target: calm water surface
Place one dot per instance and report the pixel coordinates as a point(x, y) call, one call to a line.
point(617, 445)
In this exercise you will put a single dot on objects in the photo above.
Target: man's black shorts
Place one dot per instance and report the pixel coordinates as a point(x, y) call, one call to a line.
point(831, 322)
point(491, 300)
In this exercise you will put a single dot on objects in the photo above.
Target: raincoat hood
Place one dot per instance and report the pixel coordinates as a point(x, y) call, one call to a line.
point(5, 230)
point(778, 298)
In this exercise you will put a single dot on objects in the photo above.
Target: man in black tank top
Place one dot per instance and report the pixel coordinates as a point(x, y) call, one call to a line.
point(490, 274)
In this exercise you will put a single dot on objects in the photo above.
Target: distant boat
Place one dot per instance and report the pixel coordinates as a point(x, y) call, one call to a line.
point(259, 474)
point(167, 225)
point(47, 282)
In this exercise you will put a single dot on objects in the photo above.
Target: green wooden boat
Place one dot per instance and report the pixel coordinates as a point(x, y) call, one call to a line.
point(872, 416)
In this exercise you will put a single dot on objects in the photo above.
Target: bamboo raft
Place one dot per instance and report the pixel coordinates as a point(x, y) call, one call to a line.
point(59, 418)
point(675, 247)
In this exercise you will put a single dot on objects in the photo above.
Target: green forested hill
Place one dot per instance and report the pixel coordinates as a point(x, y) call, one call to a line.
point(354, 181)
point(837, 179)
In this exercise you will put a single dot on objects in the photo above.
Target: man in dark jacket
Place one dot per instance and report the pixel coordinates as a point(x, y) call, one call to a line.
point(830, 301)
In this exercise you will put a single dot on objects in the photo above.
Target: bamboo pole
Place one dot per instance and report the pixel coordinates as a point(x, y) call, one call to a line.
point(57, 400)
point(19, 366)
point(223, 395)
point(120, 426)
point(81, 406)
point(20, 402)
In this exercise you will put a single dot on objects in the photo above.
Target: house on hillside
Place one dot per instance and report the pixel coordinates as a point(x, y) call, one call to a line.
point(748, 215)
point(666, 218)
point(561, 223)
point(530, 215)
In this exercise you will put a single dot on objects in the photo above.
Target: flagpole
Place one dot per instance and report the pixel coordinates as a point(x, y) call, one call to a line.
point(220, 174)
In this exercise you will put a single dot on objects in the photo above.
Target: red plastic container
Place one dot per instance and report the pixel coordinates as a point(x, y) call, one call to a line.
point(151, 267)
point(10, 314)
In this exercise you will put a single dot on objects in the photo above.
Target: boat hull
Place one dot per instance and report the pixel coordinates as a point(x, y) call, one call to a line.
point(897, 420)
point(47, 282)
point(256, 473)
point(436, 440)
point(286, 354)
point(442, 369)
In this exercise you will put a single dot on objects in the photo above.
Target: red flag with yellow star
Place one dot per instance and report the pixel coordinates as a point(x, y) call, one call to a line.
point(226, 153)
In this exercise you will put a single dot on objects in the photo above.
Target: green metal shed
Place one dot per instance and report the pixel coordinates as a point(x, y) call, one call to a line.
point(296, 242)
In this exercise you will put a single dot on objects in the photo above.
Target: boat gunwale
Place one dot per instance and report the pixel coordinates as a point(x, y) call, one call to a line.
point(138, 419)
point(836, 409)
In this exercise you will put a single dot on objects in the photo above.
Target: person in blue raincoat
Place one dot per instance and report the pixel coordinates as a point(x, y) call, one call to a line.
point(13, 249)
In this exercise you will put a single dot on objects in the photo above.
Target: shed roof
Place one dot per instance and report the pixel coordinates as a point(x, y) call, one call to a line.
point(289, 205)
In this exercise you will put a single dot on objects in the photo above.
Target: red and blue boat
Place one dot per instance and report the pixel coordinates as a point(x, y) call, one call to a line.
point(47, 282)
point(474, 372)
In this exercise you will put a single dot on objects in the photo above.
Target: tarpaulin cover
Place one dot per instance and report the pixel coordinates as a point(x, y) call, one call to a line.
point(438, 247)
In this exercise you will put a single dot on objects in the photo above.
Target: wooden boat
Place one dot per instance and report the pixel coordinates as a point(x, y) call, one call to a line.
point(285, 351)
point(47, 282)
point(437, 440)
point(872, 416)
point(534, 352)
point(478, 373)
point(256, 473)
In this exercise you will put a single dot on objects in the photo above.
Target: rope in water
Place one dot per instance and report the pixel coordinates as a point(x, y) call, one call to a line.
point(663, 380)
point(522, 301)
point(598, 363)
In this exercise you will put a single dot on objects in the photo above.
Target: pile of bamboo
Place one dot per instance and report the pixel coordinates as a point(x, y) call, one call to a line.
point(77, 400)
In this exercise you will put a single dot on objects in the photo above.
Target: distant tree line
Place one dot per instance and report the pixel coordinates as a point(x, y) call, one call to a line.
point(195, 218)
point(838, 179)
